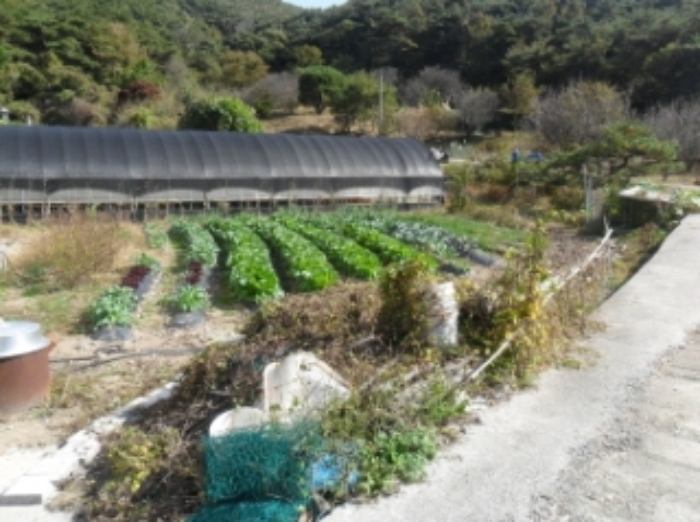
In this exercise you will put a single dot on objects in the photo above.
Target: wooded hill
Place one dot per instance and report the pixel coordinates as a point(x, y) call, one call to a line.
point(107, 54)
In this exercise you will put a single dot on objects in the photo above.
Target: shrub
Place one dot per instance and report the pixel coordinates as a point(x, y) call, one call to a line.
point(489, 193)
point(432, 87)
point(477, 108)
point(420, 123)
point(679, 121)
point(318, 85)
point(568, 198)
point(240, 68)
point(391, 458)
point(356, 100)
point(136, 116)
point(577, 114)
point(22, 110)
point(138, 91)
point(275, 92)
point(75, 112)
point(220, 114)
point(402, 318)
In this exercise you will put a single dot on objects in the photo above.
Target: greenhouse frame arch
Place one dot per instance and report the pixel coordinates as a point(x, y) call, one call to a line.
point(54, 166)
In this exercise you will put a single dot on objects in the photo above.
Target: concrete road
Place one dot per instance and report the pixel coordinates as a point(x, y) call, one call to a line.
point(646, 467)
point(615, 441)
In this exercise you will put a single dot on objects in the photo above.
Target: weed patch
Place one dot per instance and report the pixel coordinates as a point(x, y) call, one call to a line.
point(636, 247)
point(402, 317)
point(71, 252)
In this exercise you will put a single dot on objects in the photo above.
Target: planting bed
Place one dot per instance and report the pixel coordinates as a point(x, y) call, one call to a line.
point(198, 251)
point(112, 315)
point(248, 272)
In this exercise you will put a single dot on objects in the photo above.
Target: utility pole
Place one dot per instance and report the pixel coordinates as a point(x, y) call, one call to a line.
point(381, 100)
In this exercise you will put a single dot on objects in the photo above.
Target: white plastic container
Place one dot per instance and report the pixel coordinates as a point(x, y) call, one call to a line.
point(237, 419)
point(300, 385)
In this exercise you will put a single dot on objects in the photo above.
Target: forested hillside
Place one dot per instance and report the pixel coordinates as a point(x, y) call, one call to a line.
point(650, 46)
point(99, 61)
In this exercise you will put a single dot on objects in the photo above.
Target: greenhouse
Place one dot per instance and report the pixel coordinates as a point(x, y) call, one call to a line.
point(42, 165)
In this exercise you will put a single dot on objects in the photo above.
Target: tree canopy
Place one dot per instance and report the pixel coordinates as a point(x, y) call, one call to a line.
point(220, 114)
point(53, 52)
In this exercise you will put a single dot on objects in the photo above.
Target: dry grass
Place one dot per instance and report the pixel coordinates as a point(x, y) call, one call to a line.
point(72, 251)
point(337, 324)
point(503, 215)
point(60, 266)
point(303, 121)
point(503, 144)
point(9, 232)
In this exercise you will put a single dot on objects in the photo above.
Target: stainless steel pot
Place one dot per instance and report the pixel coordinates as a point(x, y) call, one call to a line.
point(24, 365)
point(20, 337)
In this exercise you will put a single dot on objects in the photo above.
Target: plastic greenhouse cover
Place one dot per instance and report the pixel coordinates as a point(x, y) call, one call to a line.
point(75, 153)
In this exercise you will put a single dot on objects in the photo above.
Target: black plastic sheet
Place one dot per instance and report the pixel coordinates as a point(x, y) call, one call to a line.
point(84, 165)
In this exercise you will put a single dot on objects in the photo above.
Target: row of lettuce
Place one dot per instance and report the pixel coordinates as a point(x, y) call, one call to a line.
point(265, 257)
point(262, 257)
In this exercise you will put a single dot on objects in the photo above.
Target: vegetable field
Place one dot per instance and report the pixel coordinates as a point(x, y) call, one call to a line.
point(263, 257)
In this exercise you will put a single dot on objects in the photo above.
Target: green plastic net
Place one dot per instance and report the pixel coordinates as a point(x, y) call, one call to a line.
point(261, 475)
point(270, 511)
